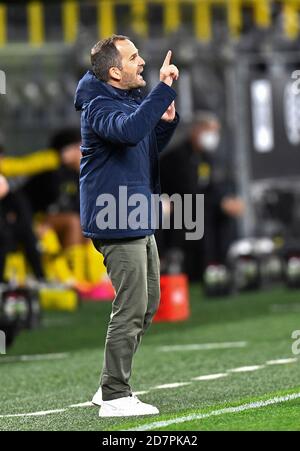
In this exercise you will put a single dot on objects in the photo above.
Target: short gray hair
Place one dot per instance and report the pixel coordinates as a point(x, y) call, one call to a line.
point(105, 55)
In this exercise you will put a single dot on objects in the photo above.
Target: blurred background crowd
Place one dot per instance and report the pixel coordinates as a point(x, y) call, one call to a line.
point(238, 142)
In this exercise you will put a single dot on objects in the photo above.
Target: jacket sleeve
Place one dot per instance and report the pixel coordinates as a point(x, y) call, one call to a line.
point(119, 127)
point(164, 132)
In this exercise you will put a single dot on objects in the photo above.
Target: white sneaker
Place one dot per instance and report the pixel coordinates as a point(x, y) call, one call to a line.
point(97, 398)
point(128, 406)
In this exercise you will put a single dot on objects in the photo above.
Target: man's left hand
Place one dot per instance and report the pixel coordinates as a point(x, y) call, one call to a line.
point(170, 114)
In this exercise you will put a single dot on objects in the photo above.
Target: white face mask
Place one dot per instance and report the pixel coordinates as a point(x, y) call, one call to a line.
point(209, 141)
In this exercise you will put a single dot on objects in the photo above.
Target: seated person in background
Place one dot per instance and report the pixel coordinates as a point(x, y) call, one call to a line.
point(55, 195)
point(4, 189)
point(192, 168)
point(16, 227)
point(50, 184)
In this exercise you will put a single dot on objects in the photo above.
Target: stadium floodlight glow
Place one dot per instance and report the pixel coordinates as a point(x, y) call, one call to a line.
point(262, 119)
point(2, 82)
point(291, 114)
point(2, 342)
point(240, 248)
point(263, 246)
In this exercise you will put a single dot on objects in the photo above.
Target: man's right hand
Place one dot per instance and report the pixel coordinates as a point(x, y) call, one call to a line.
point(168, 72)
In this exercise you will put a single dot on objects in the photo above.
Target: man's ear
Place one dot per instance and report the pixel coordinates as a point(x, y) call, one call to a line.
point(115, 73)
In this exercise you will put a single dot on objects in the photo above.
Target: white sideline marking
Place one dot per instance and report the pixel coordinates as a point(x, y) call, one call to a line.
point(204, 346)
point(33, 414)
point(82, 404)
point(174, 385)
point(281, 361)
point(214, 413)
point(210, 377)
point(33, 358)
point(284, 308)
point(205, 377)
point(245, 369)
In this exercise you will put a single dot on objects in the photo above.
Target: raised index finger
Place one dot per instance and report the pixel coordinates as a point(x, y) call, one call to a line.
point(167, 58)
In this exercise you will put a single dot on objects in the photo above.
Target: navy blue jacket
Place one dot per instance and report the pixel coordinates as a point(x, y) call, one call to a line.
point(122, 135)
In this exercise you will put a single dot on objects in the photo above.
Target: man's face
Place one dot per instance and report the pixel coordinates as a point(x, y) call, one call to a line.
point(132, 66)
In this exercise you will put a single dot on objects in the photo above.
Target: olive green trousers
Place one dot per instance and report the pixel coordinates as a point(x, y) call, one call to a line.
point(133, 267)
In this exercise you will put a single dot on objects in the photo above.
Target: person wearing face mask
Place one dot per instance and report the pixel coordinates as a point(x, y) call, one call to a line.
point(208, 140)
point(192, 167)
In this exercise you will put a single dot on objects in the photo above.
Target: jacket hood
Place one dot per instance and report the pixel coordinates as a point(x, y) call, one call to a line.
point(89, 87)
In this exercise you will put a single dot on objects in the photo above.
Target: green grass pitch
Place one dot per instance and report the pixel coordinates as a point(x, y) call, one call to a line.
point(263, 320)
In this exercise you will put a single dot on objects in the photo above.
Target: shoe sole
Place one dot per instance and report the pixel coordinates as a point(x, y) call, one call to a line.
point(110, 415)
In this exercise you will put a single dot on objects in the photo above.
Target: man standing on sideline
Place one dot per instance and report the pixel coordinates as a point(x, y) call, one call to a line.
point(122, 135)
